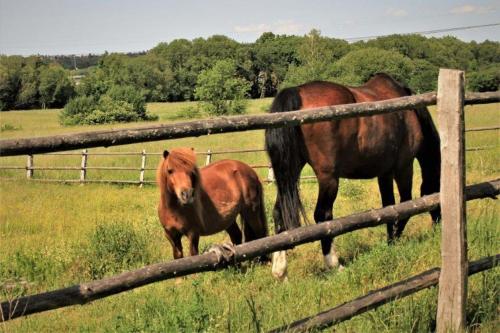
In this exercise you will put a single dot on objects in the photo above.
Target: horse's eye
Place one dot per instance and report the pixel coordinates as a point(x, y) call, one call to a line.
point(170, 171)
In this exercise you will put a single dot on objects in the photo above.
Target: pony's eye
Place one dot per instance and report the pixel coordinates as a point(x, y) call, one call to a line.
point(170, 171)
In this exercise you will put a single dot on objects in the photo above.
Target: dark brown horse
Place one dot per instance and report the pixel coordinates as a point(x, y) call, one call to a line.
point(198, 202)
point(381, 146)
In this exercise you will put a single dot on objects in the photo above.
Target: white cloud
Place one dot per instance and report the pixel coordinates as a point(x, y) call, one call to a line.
point(472, 9)
point(279, 27)
point(396, 12)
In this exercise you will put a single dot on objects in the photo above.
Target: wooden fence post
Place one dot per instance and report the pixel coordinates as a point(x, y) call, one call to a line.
point(143, 167)
point(83, 171)
point(453, 277)
point(209, 157)
point(29, 167)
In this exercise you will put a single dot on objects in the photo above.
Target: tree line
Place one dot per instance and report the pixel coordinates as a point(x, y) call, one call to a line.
point(181, 69)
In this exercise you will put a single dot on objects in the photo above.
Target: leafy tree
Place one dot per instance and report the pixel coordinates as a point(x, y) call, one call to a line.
point(273, 55)
point(486, 79)
point(358, 66)
point(10, 80)
point(55, 87)
point(316, 55)
point(424, 76)
point(221, 90)
point(28, 95)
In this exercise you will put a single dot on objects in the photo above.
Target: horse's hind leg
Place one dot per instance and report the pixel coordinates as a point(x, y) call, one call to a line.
point(328, 188)
point(404, 180)
point(386, 187)
point(234, 233)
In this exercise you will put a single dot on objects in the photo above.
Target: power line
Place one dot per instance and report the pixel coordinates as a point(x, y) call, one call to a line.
point(426, 32)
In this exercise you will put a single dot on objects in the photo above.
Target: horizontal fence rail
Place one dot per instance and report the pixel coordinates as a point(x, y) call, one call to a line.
point(379, 297)
point(87, 292)
point(108, 138)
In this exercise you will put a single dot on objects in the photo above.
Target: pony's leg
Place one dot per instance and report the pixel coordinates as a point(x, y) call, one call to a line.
point(386, 187)
point(328, 188)
point(174, 237)
point(194, 240)
point(279, 268)
point(404, 180)
point(235, 233)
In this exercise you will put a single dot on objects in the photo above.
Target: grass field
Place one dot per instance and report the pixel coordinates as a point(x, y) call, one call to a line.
point(55, 235)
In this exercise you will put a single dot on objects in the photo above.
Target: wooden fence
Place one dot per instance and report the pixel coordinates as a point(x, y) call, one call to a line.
point(30, 166)
point(450, 99)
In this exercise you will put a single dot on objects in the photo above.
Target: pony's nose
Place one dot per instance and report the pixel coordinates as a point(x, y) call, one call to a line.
point(187, 195)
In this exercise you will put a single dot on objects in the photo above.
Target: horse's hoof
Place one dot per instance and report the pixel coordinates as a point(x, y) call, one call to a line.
point(178, 281)
point(279, 269)
point(331, 260)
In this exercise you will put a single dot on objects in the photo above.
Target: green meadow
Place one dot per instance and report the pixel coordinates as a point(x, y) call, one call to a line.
point(55, 235)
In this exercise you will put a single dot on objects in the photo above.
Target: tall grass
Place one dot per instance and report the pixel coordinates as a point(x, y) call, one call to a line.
point(54, 235)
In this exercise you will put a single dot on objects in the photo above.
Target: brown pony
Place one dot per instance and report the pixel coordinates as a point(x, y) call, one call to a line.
point(198, 202)
point(381, 146)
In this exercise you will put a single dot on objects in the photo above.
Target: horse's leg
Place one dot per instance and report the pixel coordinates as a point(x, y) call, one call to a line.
point(279, 269)
point(174, 237)
point(386, 187)
point(328, 188)
point(404, 180)
point(194, 240)
point(235, 233)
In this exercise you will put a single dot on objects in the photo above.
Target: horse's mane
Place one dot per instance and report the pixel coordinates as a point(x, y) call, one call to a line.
point(179, 159)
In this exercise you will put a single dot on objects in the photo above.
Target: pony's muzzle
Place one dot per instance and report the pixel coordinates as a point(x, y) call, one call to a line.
point(186, 196)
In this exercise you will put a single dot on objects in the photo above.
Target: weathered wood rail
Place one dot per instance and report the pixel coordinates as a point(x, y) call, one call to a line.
point(106, 138)
point(379, 297)
point(90, 291)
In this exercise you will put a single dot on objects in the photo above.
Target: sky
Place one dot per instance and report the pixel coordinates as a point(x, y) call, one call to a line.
point(51, 27)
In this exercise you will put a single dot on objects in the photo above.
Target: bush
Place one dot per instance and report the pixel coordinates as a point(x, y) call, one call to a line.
point(113, 248)
point(487, 79)
point(118, 105)
point(77, 109)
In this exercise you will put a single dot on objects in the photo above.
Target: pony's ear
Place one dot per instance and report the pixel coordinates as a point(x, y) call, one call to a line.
point(165, 153)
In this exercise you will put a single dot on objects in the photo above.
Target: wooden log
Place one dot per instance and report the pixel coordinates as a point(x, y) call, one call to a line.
point(379, 297)
point(453, 278)
point(107, 138)
point(87, 292)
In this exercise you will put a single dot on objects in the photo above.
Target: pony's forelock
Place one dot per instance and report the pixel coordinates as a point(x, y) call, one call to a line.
point(181, 159)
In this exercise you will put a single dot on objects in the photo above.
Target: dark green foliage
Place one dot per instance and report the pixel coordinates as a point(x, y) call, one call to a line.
point(358, 66)
point(77, 109)
point(486, 79)
point(31, 83)
point(118, 105)
point(169, 71)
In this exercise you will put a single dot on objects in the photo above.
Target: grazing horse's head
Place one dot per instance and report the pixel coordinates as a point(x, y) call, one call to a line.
point(179, 174)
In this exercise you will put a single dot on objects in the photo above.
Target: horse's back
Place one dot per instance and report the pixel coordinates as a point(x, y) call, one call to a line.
point(361, 147)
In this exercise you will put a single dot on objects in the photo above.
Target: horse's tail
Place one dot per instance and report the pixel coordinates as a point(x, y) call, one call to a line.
point(285, 147)
point(429, 157)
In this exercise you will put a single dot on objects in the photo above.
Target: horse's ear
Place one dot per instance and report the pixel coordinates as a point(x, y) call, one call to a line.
point(165, 153)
